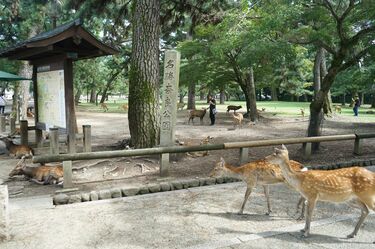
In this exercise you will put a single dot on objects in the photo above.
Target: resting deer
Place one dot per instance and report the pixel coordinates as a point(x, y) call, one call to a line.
point(104, 106)
point(354, 185)
point(124, 107)
point(206, 140)
point(259, 172)
point(16, 150)
point(43, 175)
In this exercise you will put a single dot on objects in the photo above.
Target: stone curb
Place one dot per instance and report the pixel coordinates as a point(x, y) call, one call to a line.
point(61, 198)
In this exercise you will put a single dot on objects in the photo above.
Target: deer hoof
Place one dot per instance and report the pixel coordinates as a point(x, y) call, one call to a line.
point(301, 217)
point(350, 236)
point(268, 213)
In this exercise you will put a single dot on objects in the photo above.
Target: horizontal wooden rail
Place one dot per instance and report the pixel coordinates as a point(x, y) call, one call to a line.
point(183, 149)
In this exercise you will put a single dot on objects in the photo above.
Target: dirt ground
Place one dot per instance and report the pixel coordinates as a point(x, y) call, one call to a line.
point(109, 129)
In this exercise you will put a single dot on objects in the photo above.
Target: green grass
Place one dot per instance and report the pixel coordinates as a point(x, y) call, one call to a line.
point(281, 108)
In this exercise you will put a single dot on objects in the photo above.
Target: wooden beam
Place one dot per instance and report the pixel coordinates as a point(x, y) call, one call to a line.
point(69, 105)
point(30, 52)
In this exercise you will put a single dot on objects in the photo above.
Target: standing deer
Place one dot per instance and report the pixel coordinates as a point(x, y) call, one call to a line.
point(259, 172)
point(354, 185)
point(104, 106)
point(237, 119)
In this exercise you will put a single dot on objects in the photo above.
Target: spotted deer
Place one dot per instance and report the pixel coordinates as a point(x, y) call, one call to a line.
point(17, 150)
point(104, 106)
point(43, 175)
point(355, 186)
point(259, 172)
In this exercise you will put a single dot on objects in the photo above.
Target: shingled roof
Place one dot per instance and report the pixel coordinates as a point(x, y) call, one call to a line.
point(70, 38)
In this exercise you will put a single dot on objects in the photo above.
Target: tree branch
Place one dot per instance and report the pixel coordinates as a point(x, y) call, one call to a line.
point(354, 59)
point(352, 41)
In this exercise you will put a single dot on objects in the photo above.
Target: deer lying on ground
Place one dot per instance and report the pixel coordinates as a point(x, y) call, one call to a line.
point(233, 107)
point(255, 173)
point(237, 118)
point(43, 175)
point(180, 106)
point(206, 140)
point(354, 185)
point(197, 113)
point(16, 150)
point(104, 106)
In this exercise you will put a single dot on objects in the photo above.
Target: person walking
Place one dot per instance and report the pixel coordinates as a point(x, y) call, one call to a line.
point(213, 110)
point(357, 103)
point(2, 103)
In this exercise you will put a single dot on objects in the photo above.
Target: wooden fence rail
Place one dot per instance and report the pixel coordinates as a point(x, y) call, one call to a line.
point(243, 146)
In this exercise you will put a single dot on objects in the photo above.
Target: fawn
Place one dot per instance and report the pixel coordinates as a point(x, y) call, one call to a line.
point(16, 150)
point(104, 106)
point(354, 185)
point(43, 175)
point(258, 172)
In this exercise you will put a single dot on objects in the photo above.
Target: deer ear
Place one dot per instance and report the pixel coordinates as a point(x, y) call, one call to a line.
point(222, 161)
point(283, 147)
point(277, 151)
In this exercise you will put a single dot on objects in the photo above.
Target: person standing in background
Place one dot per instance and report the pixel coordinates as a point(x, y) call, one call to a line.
point(357, 104)
point(2, 103)
point(213, 110)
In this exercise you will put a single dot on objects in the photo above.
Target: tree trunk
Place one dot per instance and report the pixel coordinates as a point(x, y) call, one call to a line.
point(181, 98)
point(144, 77)
point(15, 102)
point(77, 96)
point(25, 71)
point(92, 95)
point(202, 95)
point(274, 93)
point(222, 95)
point(362, 100)
point(108, 86)
point(316, 73)
point(191, 96)
point(373, 100)
point(327, 107)
point(343, 100)
point(250, 88)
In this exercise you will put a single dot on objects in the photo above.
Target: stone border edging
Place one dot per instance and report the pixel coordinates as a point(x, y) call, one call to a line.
point(61, 198)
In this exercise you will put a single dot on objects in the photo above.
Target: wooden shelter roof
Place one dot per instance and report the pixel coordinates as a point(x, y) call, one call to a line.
point(69, 39)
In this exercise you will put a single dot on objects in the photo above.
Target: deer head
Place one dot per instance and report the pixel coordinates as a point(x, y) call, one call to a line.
point(206, 140)
point(18, 170)
point(219, 169)
point(279, 155)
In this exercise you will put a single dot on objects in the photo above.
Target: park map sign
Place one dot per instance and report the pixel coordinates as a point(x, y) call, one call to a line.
point(51, 104)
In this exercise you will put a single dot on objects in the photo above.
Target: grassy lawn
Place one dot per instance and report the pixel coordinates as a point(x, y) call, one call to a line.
point(281, 108)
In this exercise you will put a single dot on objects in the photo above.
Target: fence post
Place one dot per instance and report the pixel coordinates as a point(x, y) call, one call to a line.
point(54, 141)
point(2, 123)
point(39, 138)
point(86, 138)
point(24, 132)
point(307, 150)
point(4, 213)
point(357, 146)
point(164, 164)
point(68, 181)
point(244, 155)
point(12, 125)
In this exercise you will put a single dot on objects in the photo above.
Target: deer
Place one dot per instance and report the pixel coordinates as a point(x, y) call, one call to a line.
point(237, 118)
point(197, 113)
point(16, 150)
point(180, 106)
point(354, 186)
point(255, 173)
point(302, 112)
point(104, 106)
point(338, 108)
point(43, 175)
point(204, 141)
point(124, 107)
point(233, 107)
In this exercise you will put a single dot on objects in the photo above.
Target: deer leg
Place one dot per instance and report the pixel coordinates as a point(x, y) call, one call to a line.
point(302, 201)
point(267, 195)
point(247, 194)
point(310, 208)
point(36, 181)
point(364, 213)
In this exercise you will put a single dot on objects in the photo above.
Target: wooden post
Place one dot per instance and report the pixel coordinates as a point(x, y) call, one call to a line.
point(2, 123)
point(4, 213)
point(68, 181)
point(86, 138)
point(244, 155)
point(307, 150)
point(54, 141)
point(39, 138)
point(24, 132)
point(12, 125)
point(69, 105)
point(169, 107)
point(357, 146)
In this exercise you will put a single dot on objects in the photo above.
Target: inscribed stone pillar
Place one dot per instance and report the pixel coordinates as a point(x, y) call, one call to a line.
point(169, 106)
point(4, 213)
